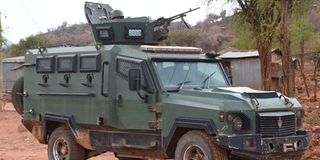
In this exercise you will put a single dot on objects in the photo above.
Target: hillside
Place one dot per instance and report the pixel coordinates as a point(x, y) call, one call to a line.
point(218, 33)
point(218, 29)
point(74, 35)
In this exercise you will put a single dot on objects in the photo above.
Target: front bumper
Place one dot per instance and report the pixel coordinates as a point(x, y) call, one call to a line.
point(257, 147)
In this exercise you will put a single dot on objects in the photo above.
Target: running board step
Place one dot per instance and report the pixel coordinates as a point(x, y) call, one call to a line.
point(123, 144)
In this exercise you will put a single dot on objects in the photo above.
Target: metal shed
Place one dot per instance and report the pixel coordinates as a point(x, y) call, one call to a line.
point(9, 75)
point(243, 68)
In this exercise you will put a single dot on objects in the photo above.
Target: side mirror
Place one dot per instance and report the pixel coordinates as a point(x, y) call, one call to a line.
point(134, 80)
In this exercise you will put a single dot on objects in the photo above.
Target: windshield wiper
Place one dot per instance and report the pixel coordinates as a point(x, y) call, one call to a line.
point(180, 85)
point(207, 78)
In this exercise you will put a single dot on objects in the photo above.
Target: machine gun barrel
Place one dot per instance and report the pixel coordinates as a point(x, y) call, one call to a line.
point(161, 21)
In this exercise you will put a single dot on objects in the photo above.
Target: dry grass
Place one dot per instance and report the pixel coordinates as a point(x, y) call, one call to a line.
point(313, 118)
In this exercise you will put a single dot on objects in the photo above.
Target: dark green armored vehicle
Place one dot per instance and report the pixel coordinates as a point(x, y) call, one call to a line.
point(142, 101)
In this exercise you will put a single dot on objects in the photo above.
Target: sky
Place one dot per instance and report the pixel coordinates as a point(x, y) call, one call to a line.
point(22, 18)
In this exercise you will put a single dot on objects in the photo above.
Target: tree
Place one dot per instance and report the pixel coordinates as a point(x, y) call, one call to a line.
point(291, 10)
point(1, 54)
point(1, 38)
point(245, 38)
point(316, 60)
point(30, 42)
point(301, 32)
point(288, 79)
point(263, 19)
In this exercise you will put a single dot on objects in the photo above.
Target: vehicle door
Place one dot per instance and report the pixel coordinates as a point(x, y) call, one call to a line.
point(135, 108)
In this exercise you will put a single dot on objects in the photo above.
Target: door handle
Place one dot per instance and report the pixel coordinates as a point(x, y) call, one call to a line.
point(103, 93)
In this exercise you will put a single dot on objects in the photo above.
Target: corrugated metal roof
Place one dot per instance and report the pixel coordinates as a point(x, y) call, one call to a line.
point(229, 49)
point(240, 54)
point(14, 59)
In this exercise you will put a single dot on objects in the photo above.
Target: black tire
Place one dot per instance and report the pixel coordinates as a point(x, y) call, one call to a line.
point(16, 95)
point(62, 146)
point(196, 144)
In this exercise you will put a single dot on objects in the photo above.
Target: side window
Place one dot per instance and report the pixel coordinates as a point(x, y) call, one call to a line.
point(67, 63)
point(105, 33)
point(124, 65)
point(90, 62)
point(45, 64)
point(134, 33)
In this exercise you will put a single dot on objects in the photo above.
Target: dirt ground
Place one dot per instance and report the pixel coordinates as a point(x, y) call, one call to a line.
point(16, 143)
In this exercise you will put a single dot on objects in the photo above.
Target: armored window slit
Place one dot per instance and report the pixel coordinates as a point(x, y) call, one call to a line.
point(45, 64)
point(67, 63)
point(90, 62)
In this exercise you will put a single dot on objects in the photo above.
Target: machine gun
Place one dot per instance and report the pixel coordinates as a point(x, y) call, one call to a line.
point(161, 24)
point(166, 21)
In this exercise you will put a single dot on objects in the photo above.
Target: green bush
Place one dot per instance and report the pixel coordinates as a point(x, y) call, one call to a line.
point(30, 42)
point(189, 38)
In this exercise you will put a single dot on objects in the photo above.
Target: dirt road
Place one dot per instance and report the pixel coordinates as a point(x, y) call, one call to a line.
point(16, 143)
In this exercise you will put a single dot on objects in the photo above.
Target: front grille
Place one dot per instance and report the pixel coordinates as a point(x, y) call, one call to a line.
point(276, 124)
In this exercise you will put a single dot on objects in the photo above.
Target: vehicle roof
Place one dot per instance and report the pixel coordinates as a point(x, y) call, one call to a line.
point(124, 50)
point(59, 50)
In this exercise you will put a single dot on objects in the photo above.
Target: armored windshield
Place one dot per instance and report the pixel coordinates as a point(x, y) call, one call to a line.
point(198, 75)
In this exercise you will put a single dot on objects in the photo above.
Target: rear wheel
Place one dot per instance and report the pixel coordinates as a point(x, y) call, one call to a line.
point(62, 146)
point(196, 145)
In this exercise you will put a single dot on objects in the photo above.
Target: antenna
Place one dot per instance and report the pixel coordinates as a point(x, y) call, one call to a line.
point(30, 15)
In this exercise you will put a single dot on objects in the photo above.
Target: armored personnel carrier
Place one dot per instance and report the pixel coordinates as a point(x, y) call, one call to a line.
point(129, 96)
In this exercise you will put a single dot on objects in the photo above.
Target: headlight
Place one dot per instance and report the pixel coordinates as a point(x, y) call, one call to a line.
point(237, 123)
point(299, 113)
point(299, 118)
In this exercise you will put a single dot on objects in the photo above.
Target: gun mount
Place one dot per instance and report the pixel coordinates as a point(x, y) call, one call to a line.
point(110, 27)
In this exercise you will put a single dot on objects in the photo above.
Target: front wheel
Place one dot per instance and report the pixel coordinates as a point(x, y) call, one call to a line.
point(196, 145)
point(62, 146)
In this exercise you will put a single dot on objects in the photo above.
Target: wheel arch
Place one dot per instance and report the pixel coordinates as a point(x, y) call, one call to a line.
point(52, 121)
point(184, 125)
point(82, 136)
